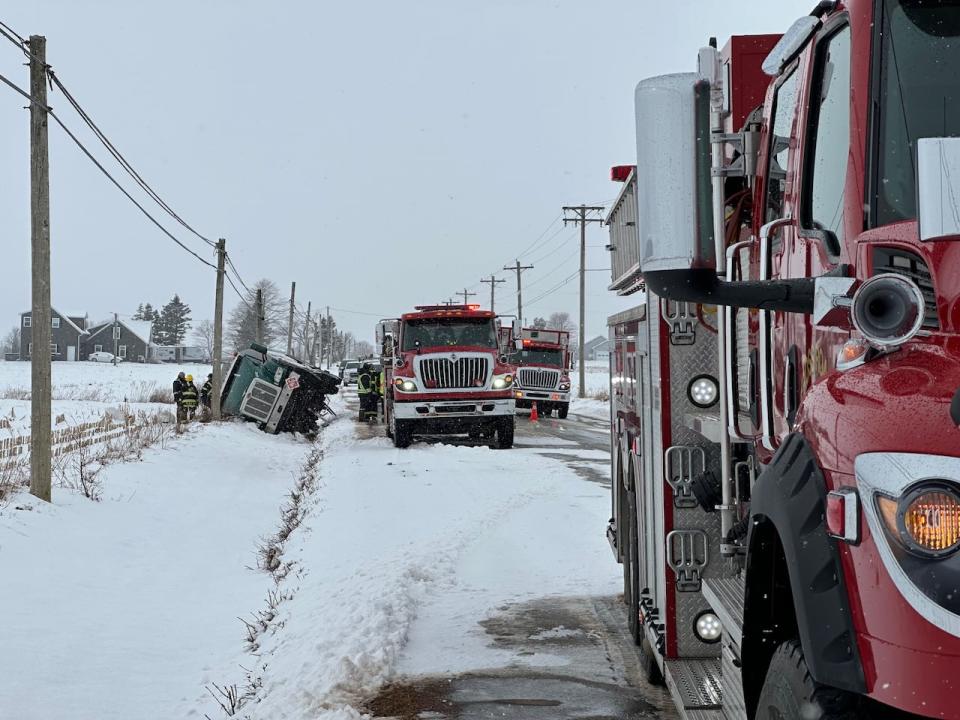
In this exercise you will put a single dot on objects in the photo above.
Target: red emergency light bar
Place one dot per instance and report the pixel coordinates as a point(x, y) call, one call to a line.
point(620, 173)
point(434, 308)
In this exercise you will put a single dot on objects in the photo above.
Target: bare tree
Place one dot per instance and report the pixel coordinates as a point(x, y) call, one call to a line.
point(242, 325)
point(362, 348)
point(11, 341)
point(561, 321)
point(203, 335)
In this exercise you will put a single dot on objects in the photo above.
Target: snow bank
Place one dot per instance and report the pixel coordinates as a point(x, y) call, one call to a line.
point(405, 552)
point(127, 608)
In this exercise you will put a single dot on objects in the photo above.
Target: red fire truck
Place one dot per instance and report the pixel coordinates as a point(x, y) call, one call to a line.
point(542, 360)
point(445, 374)
point(784, 394)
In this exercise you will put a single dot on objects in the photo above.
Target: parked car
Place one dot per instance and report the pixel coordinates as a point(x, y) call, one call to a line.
point(350, 371)
point(103, 356)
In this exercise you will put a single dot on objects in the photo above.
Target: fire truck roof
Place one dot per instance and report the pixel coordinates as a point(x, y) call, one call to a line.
point(424, 312)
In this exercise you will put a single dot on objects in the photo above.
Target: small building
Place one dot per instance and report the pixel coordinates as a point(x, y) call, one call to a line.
point(130, 339)
point(179, 353)
point(67, 333)
point(597, 349)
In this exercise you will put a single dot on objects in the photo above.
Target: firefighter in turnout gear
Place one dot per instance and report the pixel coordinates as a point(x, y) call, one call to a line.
point(367, 392)
point(206, 397)
point(187, 402)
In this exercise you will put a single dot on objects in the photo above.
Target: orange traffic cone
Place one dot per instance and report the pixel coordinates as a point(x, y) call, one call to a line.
point(534, 417)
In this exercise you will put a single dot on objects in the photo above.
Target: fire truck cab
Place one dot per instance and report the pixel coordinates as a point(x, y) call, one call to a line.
point(785, 394)
point(541, 357)
point(445, 374)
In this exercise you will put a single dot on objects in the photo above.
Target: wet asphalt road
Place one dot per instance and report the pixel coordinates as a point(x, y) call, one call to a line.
point(597, 677)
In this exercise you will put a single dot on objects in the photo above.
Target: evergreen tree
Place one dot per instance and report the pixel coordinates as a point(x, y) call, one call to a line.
point(173, 322)
point(138, 315)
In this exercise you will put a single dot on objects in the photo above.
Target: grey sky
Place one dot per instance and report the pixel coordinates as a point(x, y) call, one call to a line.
point(382, 154)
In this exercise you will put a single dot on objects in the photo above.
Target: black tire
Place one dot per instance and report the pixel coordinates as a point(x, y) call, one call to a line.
point(648, 664)
point(547, 412)
point(789, 692)
point(402, 434)
point(563, 410)
point(505, 434)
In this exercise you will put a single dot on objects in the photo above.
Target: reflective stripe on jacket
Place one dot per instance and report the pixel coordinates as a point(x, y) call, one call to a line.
point(188, 396)
point(364, 384)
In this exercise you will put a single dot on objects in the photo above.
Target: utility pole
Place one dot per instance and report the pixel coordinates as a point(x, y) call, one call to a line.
point(581, 216)
point(466, 294)
point(306, 335)
point(329, 346)
point(293, 296)
point(259, 311)
point(116, 337)
point(493, 288)
point(316, 341)
point(218, 329)
point(40, 315)
point(519, 269)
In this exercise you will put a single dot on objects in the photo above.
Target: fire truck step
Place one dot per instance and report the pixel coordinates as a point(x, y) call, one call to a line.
point(695, 683)
point(725, 596)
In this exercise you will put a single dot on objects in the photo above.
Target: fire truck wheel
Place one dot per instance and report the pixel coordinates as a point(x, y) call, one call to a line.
point(547, 412)
point(563, 410)
point(505, 434)
point(789, 691)
point(402, 434)
point(648, 664)
point(631, 566)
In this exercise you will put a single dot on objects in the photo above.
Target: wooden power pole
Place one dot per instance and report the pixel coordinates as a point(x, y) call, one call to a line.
point(493, 288)
point(259, 311)
point(519, 269)
point(329, 346)
point(306, 335)
point(466, 295)
point(293, 297)
point(580, 215)
point(40, 315)
point(218, 330)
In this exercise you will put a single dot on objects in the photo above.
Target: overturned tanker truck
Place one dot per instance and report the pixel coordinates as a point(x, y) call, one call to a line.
point(784, 398)
point(276, 391)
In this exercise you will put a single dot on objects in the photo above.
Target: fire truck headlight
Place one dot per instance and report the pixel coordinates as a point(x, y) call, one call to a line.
point(703, 391)
point(707, 627)
point(926, 519)
point(502, 382)
point(405, 385)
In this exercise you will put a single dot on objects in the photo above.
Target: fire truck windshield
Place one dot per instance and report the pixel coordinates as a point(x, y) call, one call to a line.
point(553, 358)
point(917, 95)
point(449, 332)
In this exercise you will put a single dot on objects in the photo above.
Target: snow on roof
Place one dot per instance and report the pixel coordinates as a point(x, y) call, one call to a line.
point(140, 328)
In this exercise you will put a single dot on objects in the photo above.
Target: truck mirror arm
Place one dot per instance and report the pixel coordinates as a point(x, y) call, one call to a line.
point(703, 286)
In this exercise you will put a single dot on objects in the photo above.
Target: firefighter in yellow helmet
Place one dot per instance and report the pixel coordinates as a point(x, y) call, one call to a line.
point(188, 401)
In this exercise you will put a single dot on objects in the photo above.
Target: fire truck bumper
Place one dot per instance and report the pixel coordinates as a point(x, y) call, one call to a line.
point(461, 411)
point(545, 399)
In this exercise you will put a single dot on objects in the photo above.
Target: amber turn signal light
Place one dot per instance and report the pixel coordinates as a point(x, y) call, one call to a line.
point(926, 520)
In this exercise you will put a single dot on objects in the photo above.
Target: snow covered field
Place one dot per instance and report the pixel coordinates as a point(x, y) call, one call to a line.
point(597, 375)
point(83, 391)
point(129, 607)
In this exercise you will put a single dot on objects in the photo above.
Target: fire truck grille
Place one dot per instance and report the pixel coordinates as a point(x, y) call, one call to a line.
point(538, 378)
point(902, 262)
point(462, 373)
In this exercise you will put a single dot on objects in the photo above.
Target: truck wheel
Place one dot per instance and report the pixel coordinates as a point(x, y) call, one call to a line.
point(505, 434)
point(547, 412)
point(648, 664)
point(402, 434)
point(563, 410)
point(790, 692)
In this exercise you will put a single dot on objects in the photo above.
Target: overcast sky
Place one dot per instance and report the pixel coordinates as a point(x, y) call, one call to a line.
point(382, 154)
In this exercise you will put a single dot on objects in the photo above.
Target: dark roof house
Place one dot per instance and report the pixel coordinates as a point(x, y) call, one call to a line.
point(66, 335)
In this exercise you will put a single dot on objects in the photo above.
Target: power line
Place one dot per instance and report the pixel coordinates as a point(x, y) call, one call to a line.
point(118, 156)
point(106, 172)
point(545, 231)
point(237, 273)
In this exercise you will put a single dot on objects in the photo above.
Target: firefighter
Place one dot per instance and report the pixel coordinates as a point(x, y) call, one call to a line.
point(206, 397)
point(381, 379)
point(189, 397)
point(367, 391)
point(178, 384)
